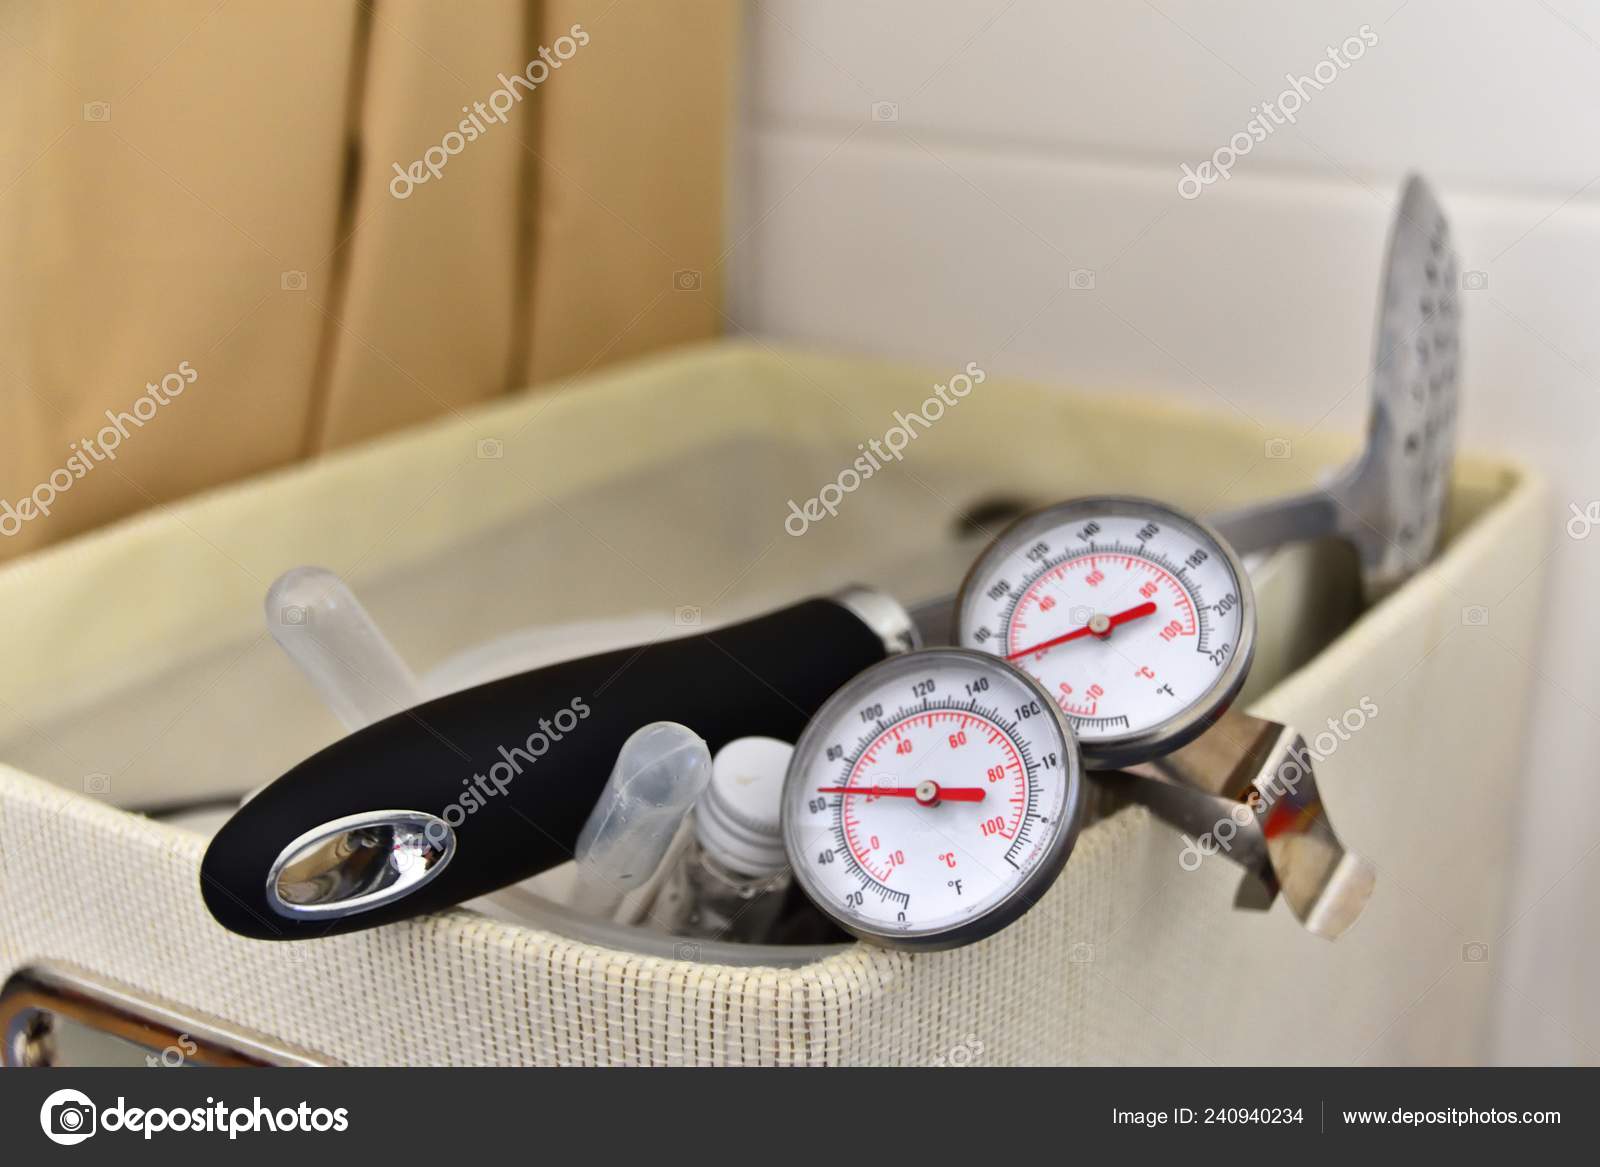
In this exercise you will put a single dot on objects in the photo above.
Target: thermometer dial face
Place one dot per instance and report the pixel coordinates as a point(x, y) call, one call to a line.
point(932, 800)
point(1138, 621)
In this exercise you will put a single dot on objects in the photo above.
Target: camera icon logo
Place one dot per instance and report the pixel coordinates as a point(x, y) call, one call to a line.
point(686, 280)
point(68, 1117)
point(686, 615)
point(490, 449)
point(97, 783)
point(97, 111)
point(1475, 616)
point(1081, 279)
point(885, 111)
point(1475, 952)
point(292, 281)
point(294, 616)
point(1279, 449)
point(966, 1053)
point(1583, 521)
point(686, 950)
point(1474, 281)
point(403, 857)
point(1081, 953)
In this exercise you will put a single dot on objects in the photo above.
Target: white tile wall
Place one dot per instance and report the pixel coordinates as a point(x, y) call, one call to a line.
point(1490, 94)
point(1029, 140)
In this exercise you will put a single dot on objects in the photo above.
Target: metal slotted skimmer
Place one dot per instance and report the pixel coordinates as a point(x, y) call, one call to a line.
point(1390, 501)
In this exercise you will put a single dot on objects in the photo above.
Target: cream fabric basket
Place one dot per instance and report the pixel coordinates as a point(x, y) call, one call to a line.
point(138, 674)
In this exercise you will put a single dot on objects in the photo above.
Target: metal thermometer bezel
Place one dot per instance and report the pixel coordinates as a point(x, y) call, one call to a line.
point(1025, 893)
point(1172, 733)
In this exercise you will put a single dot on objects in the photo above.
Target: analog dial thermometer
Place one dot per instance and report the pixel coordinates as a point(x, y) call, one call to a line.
point(1137, 620)
point(932, 799)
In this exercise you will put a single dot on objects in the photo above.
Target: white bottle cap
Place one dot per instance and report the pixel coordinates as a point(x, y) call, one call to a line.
point(737, 818)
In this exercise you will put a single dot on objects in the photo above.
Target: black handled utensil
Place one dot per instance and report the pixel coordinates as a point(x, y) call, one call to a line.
point(491, 785)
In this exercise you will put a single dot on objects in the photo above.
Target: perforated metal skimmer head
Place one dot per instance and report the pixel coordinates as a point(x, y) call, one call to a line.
point(1394, 495)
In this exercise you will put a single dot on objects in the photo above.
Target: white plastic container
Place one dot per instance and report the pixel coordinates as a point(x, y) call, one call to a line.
point(137, 676)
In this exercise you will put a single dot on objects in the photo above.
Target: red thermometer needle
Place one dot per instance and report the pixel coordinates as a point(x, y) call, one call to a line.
point(926, 792)
point(1100, 626)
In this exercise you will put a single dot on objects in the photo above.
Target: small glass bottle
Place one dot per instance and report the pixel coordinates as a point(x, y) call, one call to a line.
point(731, 878)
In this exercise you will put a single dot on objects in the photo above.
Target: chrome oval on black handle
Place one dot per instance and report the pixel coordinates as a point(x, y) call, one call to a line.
point(358, 863)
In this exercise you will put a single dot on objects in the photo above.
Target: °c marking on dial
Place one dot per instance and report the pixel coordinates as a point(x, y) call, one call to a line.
point(887, 728)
